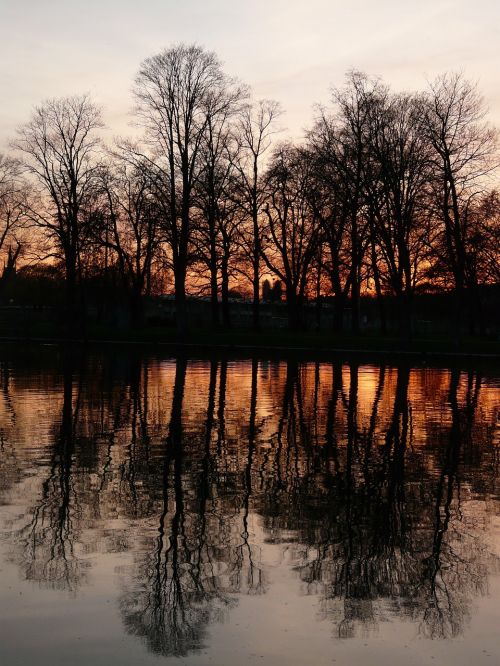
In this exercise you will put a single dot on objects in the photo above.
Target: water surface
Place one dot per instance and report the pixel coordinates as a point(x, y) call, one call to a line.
point(186, 511)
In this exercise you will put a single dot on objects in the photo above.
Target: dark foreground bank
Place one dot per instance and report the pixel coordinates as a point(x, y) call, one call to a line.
point(308, 343)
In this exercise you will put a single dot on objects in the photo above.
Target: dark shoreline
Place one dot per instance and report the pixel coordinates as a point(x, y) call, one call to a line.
point(241, 346)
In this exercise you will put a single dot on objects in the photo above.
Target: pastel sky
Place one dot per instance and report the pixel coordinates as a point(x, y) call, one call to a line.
point(290, 50)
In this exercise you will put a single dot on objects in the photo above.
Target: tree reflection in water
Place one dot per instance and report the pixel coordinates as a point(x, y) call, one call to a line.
point(378, 481)
point(47, 543)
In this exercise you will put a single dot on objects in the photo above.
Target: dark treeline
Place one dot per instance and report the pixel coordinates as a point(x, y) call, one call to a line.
point(388, 193)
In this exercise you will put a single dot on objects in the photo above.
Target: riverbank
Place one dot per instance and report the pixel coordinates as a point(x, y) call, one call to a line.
point(310, 343)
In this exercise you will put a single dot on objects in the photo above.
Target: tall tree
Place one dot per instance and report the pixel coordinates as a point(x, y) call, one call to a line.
point(13, 201)
point(256, 127)
point(131, 224)
point(292, 228)
point(353, 105)
point(453, 119)
point(339, 140)
point(175, 92)
point(218, 155)
point(330, 202)
point(60, 149)
point(397, 187)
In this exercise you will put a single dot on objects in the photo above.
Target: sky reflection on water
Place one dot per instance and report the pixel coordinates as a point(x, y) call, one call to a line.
point(215, 511)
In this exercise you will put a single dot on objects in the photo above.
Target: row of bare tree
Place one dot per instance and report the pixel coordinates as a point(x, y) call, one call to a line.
point(388, 192)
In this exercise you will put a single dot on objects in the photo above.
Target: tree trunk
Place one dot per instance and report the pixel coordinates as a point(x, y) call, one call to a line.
point(294, 310)
point(71, 308)
point(339, 296)
point(338, 311)
point(405, 315)
point(180, 301)
point(256, 292)
point(214, 295)
point(355, 303)
point(226, 315)
point(475, 308)
point(136, 305)
point(214, 287)
point(378, 291)
point(354, 274)
point(256, 265)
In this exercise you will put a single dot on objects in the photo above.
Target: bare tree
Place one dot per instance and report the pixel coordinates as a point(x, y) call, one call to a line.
point(292, 229)
point(175, 90)
point(339, 139)
point(256, 127)
point(13, 198)
point(132, 223)
point(483, 253)
point(464, 146)
point(218, 155)
point(397, 187)
point(353, 106)
point(59, 145)
point(330, 203)
point(231, 232)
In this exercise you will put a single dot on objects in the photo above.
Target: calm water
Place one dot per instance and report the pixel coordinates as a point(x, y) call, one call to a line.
point(231, 512)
